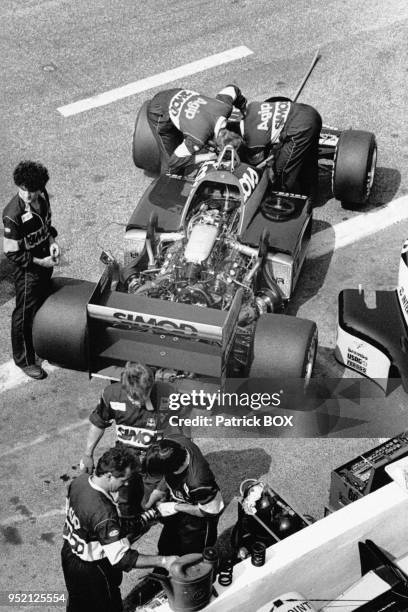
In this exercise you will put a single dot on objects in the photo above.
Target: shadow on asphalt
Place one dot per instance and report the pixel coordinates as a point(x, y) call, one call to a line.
point(314, 271)
point(6, 280)
point(386, 185)
point(234, 466)
point(313, 274)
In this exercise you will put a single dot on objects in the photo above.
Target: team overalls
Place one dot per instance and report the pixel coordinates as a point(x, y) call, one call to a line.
point(296, 151)
point(26, 235)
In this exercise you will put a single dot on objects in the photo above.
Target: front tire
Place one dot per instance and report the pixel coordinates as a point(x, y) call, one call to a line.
point(145, 148)
point(354, 167)
point(284, 347)
point(60, 325)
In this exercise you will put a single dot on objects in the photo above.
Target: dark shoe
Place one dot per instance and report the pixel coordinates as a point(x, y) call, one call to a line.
point(34, 371)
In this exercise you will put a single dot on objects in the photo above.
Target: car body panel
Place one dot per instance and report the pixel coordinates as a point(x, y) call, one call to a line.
point(373, 329)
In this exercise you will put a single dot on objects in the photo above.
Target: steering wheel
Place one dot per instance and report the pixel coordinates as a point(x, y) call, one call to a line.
point(277, 208)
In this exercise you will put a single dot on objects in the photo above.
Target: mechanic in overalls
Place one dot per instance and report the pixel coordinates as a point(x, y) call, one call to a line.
point(132, 404)
point(189, 497)
point(29, 244)
point(185, 121)
point(96, 551)
point(289, 132)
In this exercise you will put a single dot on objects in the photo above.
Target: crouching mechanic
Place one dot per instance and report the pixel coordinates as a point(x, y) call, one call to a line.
point(290, 132)
point(95, 551)
point(29, 244)
point(185, 121)
point(132, 404)
point(191, 517)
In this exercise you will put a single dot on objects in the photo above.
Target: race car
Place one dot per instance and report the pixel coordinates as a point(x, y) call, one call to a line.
point(372, 335)
point(211, 260)
point(350, 156)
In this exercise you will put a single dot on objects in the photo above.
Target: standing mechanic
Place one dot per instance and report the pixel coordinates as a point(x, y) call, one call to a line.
point(290, 132)
point(29, 243)
point(95, 551)
point(134, 406)
point(191, 517)
point(186, 120)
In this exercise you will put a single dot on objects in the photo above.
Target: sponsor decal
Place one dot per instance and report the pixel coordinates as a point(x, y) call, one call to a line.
point(265, 114)
point(71, 523)
point(192, 107)
point(178, 100)
point(37, 237)
point(208, 165)
point(403, 281)
point(328, 140)
point(135, 436)
point(404, 299)
point(72, 518)
point(118, 406)
point(26, 217)
point(248, 182)
point(357, 360)
point(147, 322)
point(281, 112)
point(302, 607)
point(279, 117)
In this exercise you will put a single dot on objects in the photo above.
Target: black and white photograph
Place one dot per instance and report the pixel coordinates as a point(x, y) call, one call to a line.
point(204, 306)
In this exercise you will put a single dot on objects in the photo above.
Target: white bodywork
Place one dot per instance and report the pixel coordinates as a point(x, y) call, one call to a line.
point(362, 357)
point(402, 290)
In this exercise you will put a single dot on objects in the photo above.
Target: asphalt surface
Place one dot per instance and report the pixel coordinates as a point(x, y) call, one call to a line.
point(59, 51)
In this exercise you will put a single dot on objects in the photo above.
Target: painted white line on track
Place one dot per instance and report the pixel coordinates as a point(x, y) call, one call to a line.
point(21, 518)
point(12, 376)
point(359, 227)
point(44, 438)
point(154, 81)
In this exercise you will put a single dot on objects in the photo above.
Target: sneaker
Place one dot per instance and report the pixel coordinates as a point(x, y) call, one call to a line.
point(34, 371)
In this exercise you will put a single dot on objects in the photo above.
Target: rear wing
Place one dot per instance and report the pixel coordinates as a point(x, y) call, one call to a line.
point(165, 334)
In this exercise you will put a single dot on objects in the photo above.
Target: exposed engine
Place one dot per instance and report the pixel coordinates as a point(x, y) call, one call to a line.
point(205, 264)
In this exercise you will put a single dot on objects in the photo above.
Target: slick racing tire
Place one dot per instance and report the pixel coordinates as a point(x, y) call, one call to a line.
point(60, 324)
point(354, 167)
point(145, 148)
point(284, 347)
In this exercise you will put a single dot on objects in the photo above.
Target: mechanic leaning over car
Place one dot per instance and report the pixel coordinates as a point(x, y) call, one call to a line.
point(191, 516)
point(290, 132)
point(95, 550)
point(29, 243)
point(133, 404)
point(186, 120)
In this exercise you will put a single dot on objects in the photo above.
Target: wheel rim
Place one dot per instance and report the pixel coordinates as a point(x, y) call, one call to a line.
point(371, 173)
point(310, 360)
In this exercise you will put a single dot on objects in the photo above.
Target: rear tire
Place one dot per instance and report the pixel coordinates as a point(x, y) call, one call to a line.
point(354, 167)
point(145, 148)
point(284, 347)
point(60, 325)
